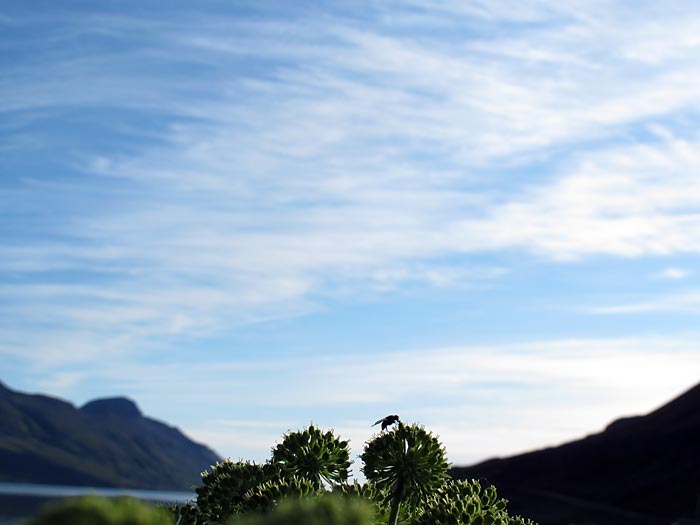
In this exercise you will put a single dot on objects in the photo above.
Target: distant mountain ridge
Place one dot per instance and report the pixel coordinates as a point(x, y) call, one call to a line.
point(639, 470)
point(107, 442)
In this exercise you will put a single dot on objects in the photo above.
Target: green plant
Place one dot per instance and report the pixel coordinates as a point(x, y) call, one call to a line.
point(185, 513)
point(325, 509)
point(358, 490)
point(305, 482)
point(267, 495)
point(223, 488)
point(467, 503)
point(91, 510)
point(407, 462)
point(464, 502)
point(315, 455)
point(519, 520)
point(367, 492)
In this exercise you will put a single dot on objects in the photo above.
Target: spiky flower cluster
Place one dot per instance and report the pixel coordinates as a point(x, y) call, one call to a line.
point(407, 482)
point(467, 503)
point(314, 455)
point(464, 502)
point(269, 494)
point(368, 492)
point(222, 490)
point(409, 463)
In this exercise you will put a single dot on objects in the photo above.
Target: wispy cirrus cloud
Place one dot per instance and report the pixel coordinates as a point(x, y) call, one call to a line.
point(202, 173)
point(687, 302)
point(542, 391)
point(628, 201)
point(674, 273)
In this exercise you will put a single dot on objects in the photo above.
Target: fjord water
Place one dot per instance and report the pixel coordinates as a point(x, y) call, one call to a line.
point(22, 500)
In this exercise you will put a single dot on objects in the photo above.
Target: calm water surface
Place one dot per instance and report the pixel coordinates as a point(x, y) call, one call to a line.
point(19, 501)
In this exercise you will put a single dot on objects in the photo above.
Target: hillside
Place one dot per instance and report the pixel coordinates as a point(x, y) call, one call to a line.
point(107, 442)
point(643, 469)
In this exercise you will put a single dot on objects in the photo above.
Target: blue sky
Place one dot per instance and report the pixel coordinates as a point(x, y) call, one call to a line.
point(481, 215)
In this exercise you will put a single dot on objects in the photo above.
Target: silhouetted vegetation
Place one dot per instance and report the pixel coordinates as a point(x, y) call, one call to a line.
point(306, 481)
point(643, 464)
point(91, 510)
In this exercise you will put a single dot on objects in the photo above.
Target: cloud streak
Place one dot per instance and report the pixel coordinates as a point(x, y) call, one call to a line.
point(291, 161)
point(545, 392)
point(168, 179)
point(687, 302)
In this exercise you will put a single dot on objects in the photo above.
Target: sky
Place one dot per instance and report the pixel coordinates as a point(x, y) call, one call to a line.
point(483, 216)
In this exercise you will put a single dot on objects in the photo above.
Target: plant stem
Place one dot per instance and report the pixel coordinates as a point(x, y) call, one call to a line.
point(396, 503)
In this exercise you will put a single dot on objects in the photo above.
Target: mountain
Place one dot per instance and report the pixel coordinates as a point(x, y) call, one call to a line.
point(107, 442)
point(639, 470)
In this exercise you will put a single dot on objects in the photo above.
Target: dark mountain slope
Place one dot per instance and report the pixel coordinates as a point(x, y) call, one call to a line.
point(640, 466)
point(108, 442)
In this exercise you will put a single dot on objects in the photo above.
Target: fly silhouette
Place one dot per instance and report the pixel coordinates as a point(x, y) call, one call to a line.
point(388, 420)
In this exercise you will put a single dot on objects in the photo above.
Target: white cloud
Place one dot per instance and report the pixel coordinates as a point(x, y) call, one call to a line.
point(360, 160)
point(628, 201)
point(684, 302)
point(248, 440)
point(544, 392)
point(502, 400)
point(361, 157)
point(674, 274)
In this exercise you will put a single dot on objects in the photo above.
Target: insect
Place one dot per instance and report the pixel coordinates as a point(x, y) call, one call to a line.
point(388, 420)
